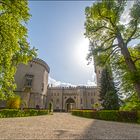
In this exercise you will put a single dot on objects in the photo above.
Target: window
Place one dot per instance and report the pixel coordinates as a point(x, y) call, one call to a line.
point(92, 101)
point(57, 101)
point(42, 87)
point(81, 100)
point(28, 80)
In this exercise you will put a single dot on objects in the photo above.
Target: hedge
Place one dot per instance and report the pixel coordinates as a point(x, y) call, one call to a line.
point(110, 115)
point(5, 113)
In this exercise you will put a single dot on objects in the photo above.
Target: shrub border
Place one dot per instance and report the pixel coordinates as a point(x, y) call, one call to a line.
point(6, 113)
point(110, 115)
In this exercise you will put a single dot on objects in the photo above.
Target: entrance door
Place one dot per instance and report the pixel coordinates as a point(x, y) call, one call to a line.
point(70, 104)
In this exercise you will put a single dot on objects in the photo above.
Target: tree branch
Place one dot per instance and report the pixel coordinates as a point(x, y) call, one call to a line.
point(111, 53)
point(99, 28)
point(106, 18)
point(134, 31)
point(135, 37)
point(111, 46)
point(137, 59)
point(113, 37)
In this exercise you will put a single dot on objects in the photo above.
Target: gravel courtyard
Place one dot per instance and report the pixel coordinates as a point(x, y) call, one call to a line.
point(65, 126)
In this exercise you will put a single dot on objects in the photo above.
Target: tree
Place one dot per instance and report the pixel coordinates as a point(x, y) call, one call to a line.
point(14, 102)
point(97, 106)
point(109, 36)
point(131, 104)
point(14, 48)
point(131, 101)
point(108, 93)
point(122, 74)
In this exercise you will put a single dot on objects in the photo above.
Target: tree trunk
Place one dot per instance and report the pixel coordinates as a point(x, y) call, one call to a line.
point(129, 62)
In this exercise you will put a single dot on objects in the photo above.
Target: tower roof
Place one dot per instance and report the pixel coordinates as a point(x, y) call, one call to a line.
point(42, 63)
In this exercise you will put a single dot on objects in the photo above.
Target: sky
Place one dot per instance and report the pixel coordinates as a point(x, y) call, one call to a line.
point(56, 29)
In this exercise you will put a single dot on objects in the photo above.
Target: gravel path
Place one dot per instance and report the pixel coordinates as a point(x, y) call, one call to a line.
point(65, 126)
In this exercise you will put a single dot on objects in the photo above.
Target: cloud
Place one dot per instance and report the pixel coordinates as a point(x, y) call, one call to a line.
point(90, 83)
point(125, 18)
point(55, 83)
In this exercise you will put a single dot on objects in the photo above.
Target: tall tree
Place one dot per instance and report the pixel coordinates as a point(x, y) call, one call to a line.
point(108, 93)
point(122, 72)
point(110, 36)
point(14, 48)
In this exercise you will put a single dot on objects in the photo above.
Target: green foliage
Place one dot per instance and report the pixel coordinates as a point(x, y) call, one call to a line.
point(14, 48)
point(126, 77)
point(5, 113)
point(50, 107)
point(97, 106)
point(43, 112)
point(110, 37)
point(13, 102)
point(131, 104)
point(110, 115)
point(108, 93)
point(31, 112)
point(83, 113)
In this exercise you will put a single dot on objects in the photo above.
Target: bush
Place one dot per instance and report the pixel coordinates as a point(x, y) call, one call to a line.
point(5, 113)
point(128, 116)
point(43, 112)
point(13, 102)
point(84, 113)
point(31, 112)
point(10, 113)
point(111, 115)
point(87, 114)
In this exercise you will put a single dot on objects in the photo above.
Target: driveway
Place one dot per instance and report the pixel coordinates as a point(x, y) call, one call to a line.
point(65, 126)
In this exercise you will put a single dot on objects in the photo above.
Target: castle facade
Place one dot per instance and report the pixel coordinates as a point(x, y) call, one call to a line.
point(33, 88)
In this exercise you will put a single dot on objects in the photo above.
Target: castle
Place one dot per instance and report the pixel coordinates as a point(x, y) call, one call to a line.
point(33, 88)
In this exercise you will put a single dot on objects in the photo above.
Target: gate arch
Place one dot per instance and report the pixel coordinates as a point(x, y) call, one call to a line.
point(70, 104)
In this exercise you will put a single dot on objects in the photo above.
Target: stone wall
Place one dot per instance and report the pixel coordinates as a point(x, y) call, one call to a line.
point(32, 83)
point(84, 97)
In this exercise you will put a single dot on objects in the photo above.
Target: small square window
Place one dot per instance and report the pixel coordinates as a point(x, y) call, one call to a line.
point(28, 80)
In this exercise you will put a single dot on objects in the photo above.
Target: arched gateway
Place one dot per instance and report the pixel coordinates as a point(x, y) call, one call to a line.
point(70, 104)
